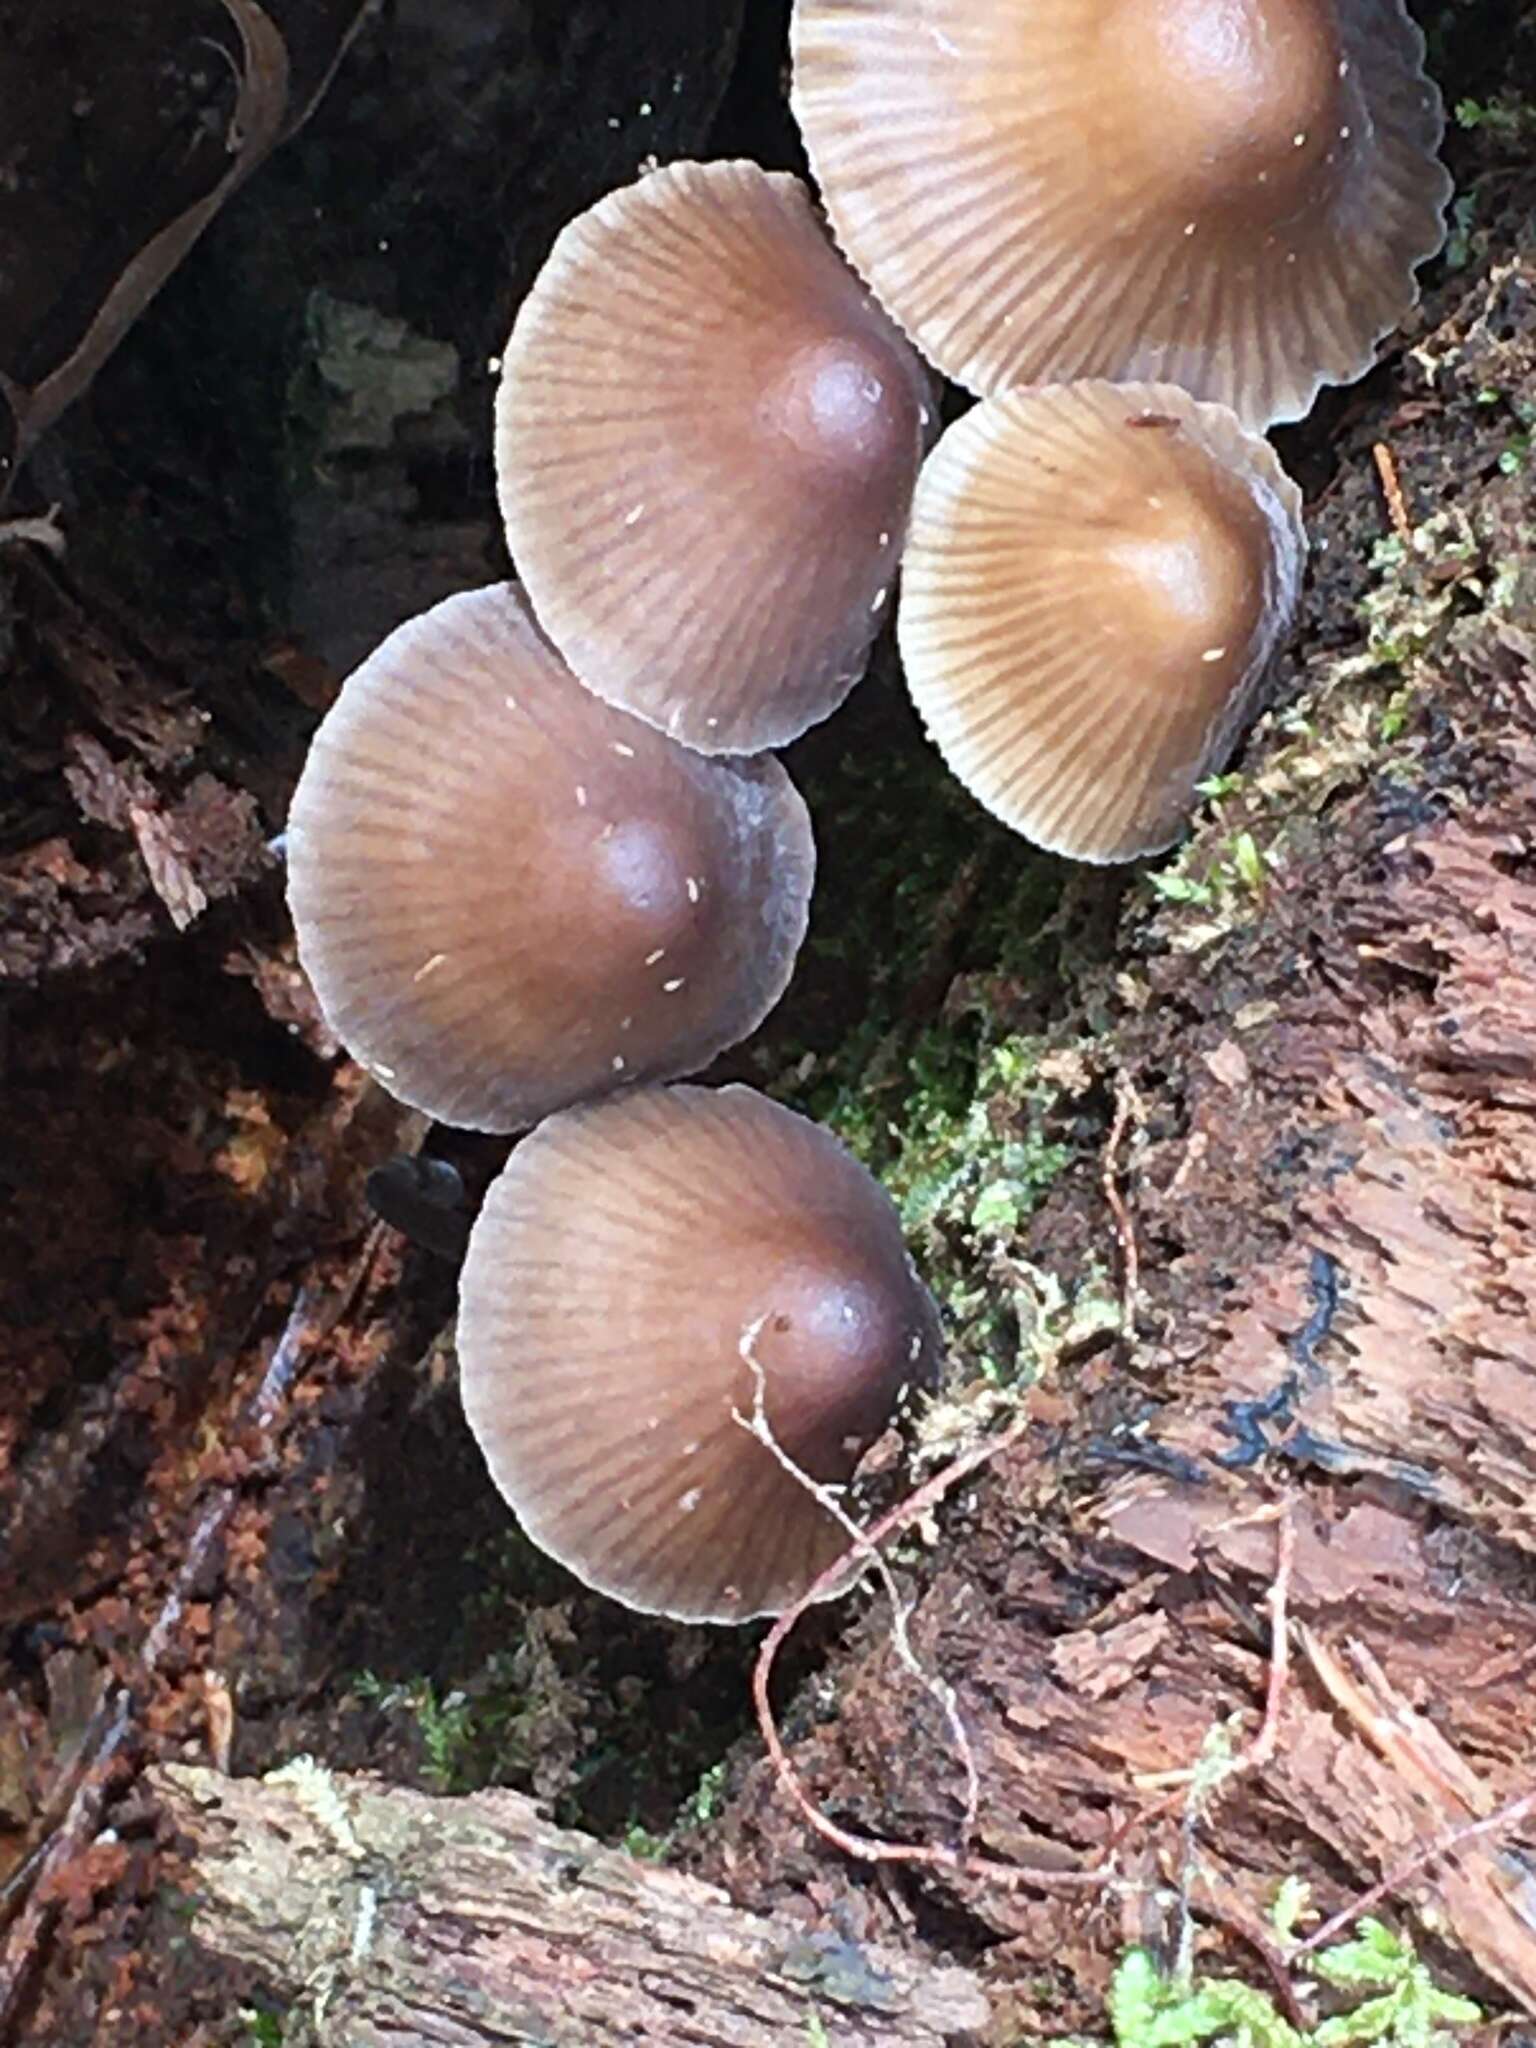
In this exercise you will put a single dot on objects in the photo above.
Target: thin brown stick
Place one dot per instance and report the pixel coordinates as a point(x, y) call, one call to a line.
point(1210, 1778)
point(938, 1689)
point(869, 1848)
point(1263, 1745)
point(1402, 1873)
point(1144, 1816)
point(1392, 491)
point(1237, 1921)
point(1126, 1105)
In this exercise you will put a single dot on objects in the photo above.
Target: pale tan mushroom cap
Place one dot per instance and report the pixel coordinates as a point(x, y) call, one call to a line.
point(1097, 580)
point(1230, 195)
point(632, 1259)
point(706, 439)
point(509, 896)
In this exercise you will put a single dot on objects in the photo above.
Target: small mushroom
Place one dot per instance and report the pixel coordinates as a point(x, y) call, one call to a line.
point(510, 896)
point(1231, 195)
point(1097, 580)
point(636, 1267)
point(706, 439)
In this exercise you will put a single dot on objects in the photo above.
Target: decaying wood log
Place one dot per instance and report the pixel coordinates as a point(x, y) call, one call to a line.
point(1376, 1384)
point(389, 1916)
point(1096, 1648)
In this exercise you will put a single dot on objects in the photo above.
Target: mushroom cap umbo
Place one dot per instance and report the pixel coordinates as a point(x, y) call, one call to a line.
point(509, 896)
point(631, 1259)
point(707, 434)
point(1097, 578)
point(1230, 195)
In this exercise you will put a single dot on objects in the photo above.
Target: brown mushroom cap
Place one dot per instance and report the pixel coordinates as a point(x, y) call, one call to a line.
point(629, 1261)
point(1230, 195)
point(510, 896)
point(1097, 579)
point(706, 439)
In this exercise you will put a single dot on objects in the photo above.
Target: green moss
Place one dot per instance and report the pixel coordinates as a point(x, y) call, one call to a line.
point(701, 1806)
point(445, 1723)
point(517, 1719)
point(917, 887)
point(967, 1143)
point(1407, 2009)
point(643, 1844)
point(1220, 876)
point(967, 1150)
point(1506, 115)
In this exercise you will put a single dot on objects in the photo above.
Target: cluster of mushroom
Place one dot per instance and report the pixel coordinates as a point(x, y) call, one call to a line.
point(540, 861)
point(512, 899)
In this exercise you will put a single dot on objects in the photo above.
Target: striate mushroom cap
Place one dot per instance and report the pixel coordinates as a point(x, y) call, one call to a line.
point(631, 1260)
point(1097, 580)
point(707, 435)
point(509, 896)
point(1230, 195)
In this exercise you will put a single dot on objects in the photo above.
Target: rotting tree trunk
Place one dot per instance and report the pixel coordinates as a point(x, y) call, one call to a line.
point(388, 1916)
point(1097, 1636)
point(1094, 1642)
point(1330, 1186)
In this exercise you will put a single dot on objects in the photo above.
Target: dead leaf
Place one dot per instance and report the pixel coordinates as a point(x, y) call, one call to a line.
point(260, 119)
point(254, 128)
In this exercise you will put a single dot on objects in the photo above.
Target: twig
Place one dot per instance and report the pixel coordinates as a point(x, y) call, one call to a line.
point(1214, 1773)
point(937, 1688)
point(1392, 491)
point(73, 1835)
point(1238, 1922)
point(304, 1327)
point(1492, 1823)
point(869, 1848)
point(1127, 1105)
point(1277, 1600)
point(1262, 1748)
point(1375, 1709)
point(1198, 1786)
point(55, 1807)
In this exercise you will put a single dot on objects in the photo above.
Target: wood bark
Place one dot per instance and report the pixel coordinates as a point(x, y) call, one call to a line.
point(1372, 1382)
point(382, 1915)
